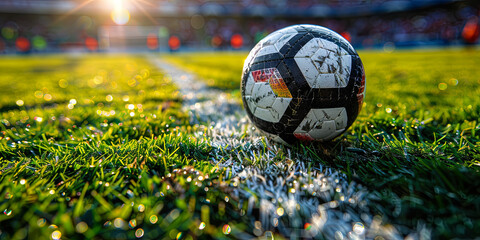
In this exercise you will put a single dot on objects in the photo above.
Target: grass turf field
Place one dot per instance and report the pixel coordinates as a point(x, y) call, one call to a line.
point(91, 146)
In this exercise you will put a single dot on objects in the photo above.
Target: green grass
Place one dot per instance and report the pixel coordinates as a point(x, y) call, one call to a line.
point(89, 147)
point(416, 142)
point(97, 146)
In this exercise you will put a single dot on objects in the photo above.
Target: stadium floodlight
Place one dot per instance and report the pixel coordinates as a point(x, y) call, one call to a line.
point(120, 15)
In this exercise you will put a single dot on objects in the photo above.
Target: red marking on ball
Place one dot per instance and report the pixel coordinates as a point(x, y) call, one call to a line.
point(304, 137)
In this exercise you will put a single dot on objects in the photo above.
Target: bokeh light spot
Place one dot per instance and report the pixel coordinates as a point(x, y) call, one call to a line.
point(216, 41)
point(39, 43)
point(236, 41)
point(91, 43)
point(120, 16)
point(9, 33)
point(152, 41)
point(84, 22)
point(163, 32)
point(174, 43)
point(389, 47)
point(22, 44)
point(197, 21)
point(347, 36)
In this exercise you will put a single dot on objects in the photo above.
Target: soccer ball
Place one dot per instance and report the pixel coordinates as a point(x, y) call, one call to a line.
point(303, 83)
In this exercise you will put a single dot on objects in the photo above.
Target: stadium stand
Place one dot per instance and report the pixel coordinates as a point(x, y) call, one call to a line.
point(29, 26)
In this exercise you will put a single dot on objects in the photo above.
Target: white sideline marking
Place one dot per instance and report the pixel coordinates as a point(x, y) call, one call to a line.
point(321, 196)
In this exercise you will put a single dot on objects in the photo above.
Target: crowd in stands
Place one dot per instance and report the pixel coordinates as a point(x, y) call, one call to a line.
point(443, 23)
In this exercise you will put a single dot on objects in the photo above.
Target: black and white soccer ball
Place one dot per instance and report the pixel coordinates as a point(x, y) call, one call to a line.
point(303, 83)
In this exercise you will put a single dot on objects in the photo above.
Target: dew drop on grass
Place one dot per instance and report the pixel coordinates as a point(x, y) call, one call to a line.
point(141, 208)
point(338, 235)
point(7, 212)
point(307, 226)
point(41, 222)
point(275, 222)
point(153, 219)
point(8, 195)
point(139, 233)
point(118, 223)
point(132, 223)
point(38, 94)
point(81, 227)
point(226, 229)
point(280, 211)
point(56, 235)
point(201, 226)
point(47, 97)
point(442, 86)
point(453, 81)
point(62, 83)
point(358, 228)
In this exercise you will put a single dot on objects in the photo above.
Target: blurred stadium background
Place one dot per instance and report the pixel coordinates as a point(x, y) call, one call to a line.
point(49, 26)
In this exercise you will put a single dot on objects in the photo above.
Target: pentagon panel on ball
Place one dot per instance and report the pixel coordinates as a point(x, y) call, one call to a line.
point(303, 83)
